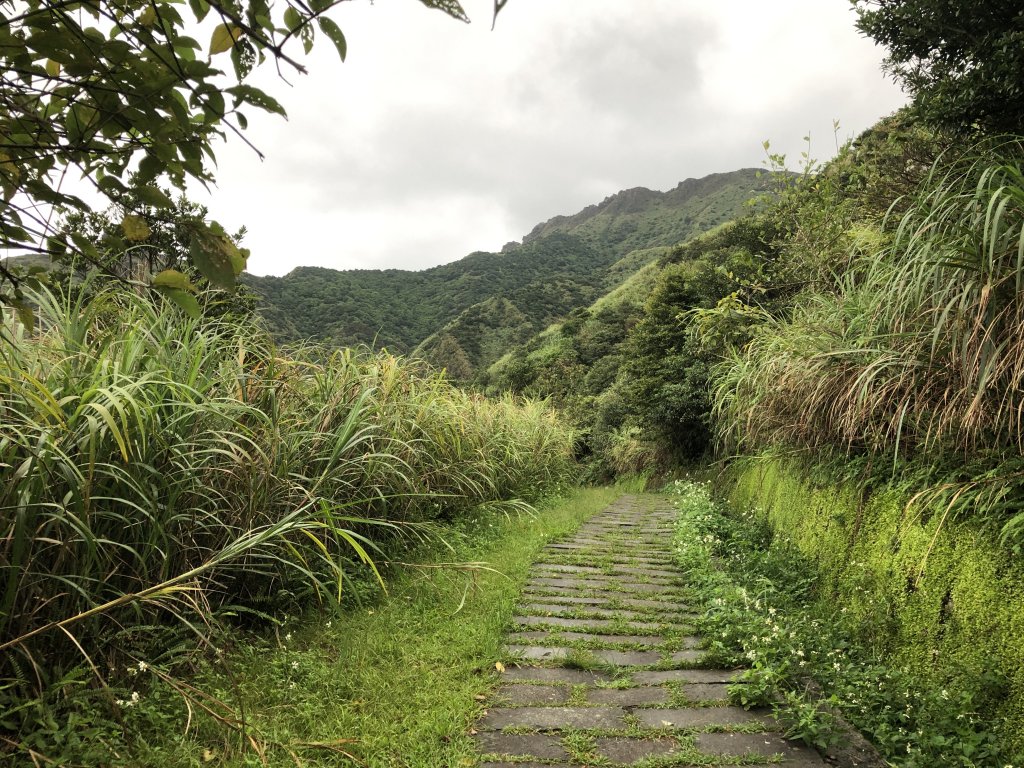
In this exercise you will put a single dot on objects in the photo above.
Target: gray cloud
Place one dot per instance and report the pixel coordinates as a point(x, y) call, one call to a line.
point(443, 139)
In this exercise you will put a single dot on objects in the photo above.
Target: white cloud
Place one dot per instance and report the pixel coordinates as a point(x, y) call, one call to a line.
point(437, 138)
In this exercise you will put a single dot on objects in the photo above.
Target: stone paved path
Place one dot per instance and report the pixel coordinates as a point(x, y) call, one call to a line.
point(608, 670)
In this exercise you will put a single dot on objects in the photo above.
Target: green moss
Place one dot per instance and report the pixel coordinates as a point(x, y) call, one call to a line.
point(937, 596)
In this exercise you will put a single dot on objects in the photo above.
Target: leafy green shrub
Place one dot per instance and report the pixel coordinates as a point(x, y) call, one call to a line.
point(162, 472)
point(763, 610)
point(918, 353)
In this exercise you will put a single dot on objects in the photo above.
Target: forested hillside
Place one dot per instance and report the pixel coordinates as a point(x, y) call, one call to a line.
point(562, 264)
point(852, 354)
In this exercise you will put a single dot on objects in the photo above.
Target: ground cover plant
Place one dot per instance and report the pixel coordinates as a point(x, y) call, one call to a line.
point(761, 612)
point(913, 358)
point(163, 474)
point(395, 681)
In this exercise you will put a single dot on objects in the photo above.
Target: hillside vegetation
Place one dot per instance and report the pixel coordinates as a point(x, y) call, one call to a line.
point(463, 312)
point(853, 350)
point(171, 480)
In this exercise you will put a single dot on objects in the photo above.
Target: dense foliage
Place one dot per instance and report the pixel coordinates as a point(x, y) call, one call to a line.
point(766, 609)
point(962, 60)
point(479, 306)
point(164, 473)
point(120, 92)
point(632, 371)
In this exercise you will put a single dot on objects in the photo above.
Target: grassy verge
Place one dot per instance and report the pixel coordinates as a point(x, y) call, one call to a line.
point(395, 683)
point(162, 475)
point(761, 610)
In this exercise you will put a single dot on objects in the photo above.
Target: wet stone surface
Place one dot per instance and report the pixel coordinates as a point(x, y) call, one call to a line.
point(626, 751)
point(520, 745)
point(602, 649)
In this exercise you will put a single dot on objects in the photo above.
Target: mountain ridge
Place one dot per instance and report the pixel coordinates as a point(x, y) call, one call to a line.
point(561, 264)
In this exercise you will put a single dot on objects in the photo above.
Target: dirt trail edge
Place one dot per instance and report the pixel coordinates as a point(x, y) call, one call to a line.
point(608, 670)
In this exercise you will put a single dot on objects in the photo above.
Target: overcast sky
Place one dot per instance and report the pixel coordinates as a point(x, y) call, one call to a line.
point(437, 138)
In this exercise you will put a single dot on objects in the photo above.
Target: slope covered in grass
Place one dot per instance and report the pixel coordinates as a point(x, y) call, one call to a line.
point(560, 265)
point(167, 475)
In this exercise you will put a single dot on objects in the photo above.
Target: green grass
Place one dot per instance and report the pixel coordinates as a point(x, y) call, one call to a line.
point(769, 608)
point(915, 354)
point(401, 678)
point(161, 475)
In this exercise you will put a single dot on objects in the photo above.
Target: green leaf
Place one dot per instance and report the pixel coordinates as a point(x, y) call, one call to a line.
point(217, 258)
point(185, 300)
point(154, 196)
point(57, 244)
point(25, 312)
point(135, 228)
point(292, 19)
point(173, 279)
point(148, 17)
point(223, 38)
point(84, 244)
point(52, 68)
point(256, 97)
point(10, 176)
point(200, 8)
point(333, 31)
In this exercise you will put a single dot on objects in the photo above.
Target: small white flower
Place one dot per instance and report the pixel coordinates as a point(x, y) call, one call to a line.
point(295, 665)
point(288, 637)
point(143, 666)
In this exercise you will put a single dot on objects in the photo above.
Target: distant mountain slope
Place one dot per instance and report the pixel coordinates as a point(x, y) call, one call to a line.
point(466, 314)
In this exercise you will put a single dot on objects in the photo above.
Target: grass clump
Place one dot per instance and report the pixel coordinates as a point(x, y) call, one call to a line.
point(397, 682)
point(914, 357)
point(160, 474)
point(762, 612)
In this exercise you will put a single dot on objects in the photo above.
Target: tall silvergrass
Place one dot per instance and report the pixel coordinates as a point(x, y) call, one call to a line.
point(157, 470)
point(919, 352)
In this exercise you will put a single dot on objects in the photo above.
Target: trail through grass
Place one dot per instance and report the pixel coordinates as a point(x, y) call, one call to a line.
point(393, 683)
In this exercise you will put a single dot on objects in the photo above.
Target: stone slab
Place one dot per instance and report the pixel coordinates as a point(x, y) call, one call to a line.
point(628, 697)
point(646, 587)
point(685, 676)
point(531, 638)
point(568, 599)
point(536, 695)
point(761, 744)
point(668, 606)
point(553, 675)
point(553, 718)
point(555, 621)
point(587, 610)
point(705, 691)
point(561, 568)
point(700, 717)
point(640, 571)
point(628, 658)
point(591, 624)
point(537, 652)
point(520, 745)
point(549, 581)
point(607, 585)
point(688, 656)
point(624, 751)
